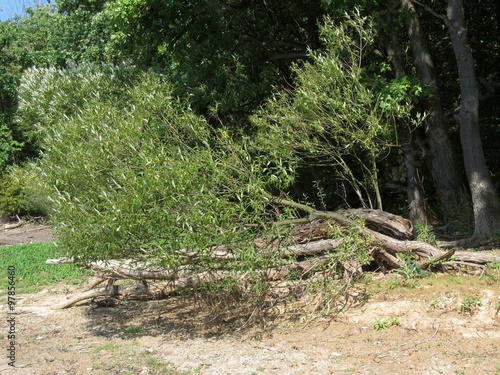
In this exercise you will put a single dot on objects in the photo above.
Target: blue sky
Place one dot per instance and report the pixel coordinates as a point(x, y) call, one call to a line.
point(8, 8)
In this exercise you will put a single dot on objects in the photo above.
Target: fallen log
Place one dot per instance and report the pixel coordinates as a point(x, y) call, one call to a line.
point(384, 222)
point(384, 236)
point(19, 223)
point(109, 291)
point(185, 280)
point(133, 269)
point(142, 290)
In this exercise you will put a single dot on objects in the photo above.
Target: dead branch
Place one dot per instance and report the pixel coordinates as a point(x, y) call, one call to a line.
point(385, 235)
point(113, 291)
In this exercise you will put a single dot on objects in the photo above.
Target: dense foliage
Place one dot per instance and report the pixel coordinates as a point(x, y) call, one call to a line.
point(155, 125)
point(133, 172)
point(334, 117)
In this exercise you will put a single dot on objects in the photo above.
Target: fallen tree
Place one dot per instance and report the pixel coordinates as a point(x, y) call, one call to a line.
point(385, 238)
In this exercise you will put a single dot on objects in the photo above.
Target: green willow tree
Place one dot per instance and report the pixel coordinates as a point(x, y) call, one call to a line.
point(336, 116)
point(132, 172)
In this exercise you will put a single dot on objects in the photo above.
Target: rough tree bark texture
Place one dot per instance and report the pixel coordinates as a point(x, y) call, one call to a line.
point(439, 155)
point(416, 198)
point(485, 201)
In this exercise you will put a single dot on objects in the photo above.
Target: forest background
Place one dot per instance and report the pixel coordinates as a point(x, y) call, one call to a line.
point(145, 126)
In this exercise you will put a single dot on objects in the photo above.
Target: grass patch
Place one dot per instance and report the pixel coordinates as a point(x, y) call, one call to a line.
point(32, 274)
point(165, 368)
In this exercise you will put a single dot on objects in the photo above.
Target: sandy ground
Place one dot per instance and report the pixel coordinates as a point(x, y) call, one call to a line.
point(26, 233)
point(178, 335)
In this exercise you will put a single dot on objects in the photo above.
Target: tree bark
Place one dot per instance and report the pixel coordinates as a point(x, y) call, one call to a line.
point(439, 154)
point(415, 193)
point(417, 205)
point(486, 205)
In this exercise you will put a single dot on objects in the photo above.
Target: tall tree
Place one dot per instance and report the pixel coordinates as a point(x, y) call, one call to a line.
point(484, 197)
point(388, 33)
point(447, 180)
point(225, 55)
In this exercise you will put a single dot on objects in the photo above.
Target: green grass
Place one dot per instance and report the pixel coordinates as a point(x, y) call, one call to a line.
point(31, 272)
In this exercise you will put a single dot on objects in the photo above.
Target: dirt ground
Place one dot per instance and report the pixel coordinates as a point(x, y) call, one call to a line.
point(177, 336)
point(26, 233)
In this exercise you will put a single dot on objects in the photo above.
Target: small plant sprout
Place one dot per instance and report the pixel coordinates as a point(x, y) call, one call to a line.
point(469, 305)
point(435, 303)
point(384, 323)
point(425, 234)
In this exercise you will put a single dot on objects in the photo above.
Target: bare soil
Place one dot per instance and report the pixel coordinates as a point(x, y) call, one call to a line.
point(25, 233)
point(178, 335)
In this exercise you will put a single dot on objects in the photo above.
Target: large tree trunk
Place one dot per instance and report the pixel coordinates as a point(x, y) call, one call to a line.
point(416, 197)
point(439, 155)
point(485, 201)
point(417, 208)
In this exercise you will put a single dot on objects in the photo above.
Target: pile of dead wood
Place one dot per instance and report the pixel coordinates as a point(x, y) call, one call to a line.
point(386, 238)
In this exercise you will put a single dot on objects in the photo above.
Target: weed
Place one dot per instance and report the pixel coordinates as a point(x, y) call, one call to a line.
point(452, 280)
point(495, 266)
point(435, 303)
point(163, 368)
point(412, 283)
point(469, 305)
point(393, 283)
point(369, 338)
point(132, 330)
point(410, 268)
point(380, 324)
point(425, 234)
point(294, 275)
point(395, 321)
point(384, 323)
point(489, 279)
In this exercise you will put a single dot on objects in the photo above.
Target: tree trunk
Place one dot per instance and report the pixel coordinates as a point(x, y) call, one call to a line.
point(439, 154)
point(485, 201)
point(416, 197)
point(417, 208)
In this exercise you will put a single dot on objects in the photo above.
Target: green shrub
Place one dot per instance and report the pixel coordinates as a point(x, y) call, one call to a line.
point(7, 146)
point(20, 192)
point(134, 173)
